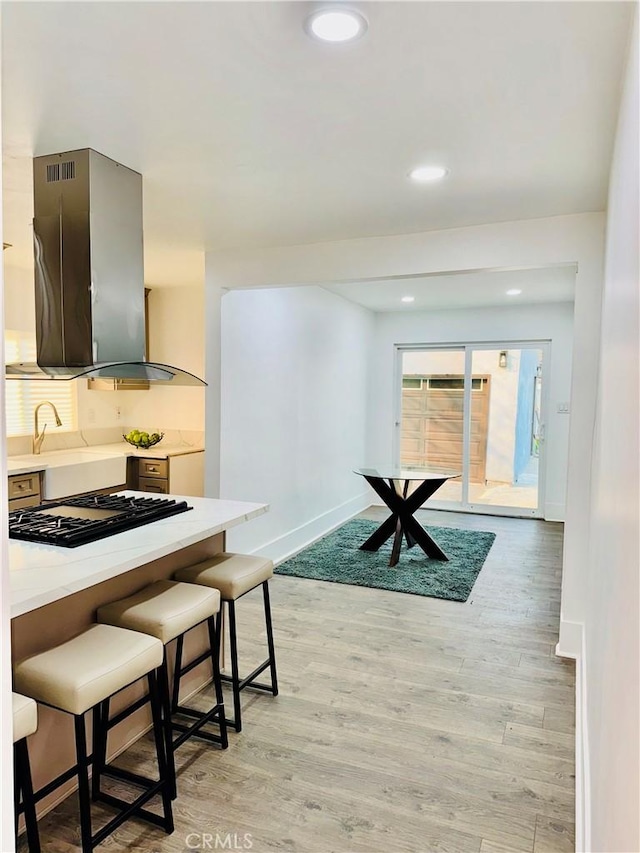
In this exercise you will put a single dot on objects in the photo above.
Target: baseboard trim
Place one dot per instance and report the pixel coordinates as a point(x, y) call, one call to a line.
point(291, 543)
point(571, 644)
point(570, 639)
point(583, 776)
point(554, 512)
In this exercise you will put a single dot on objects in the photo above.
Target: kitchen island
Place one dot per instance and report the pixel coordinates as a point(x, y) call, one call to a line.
point(55, 593)
point(42, 574)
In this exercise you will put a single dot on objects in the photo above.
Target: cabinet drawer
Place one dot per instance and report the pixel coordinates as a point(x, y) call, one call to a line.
point(149, 484)
point(23, 503)
point(153, 468)
point(24, 485)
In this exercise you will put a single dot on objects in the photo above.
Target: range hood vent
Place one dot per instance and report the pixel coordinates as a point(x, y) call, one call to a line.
point(89, 278)
point(61, 171)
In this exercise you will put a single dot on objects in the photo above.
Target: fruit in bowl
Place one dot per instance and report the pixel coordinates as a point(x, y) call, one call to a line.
point(143, 439)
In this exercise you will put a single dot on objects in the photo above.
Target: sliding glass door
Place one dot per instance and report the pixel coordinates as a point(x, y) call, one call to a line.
point(477, 410)
point(432, 408)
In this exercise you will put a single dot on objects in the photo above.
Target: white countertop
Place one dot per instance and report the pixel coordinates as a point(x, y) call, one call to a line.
point(158, 451)
point(29, 462)
point(40, 574)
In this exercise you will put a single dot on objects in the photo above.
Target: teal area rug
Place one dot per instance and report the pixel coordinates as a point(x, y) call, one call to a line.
point(338, 558)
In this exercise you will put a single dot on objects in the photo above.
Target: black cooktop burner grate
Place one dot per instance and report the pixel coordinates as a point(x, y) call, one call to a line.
point(68, 529)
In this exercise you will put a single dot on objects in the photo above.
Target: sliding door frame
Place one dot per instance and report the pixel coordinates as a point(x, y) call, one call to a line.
point(469, 347)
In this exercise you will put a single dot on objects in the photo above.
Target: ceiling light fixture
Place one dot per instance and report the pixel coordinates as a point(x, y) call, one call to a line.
point(514, 292)
point(408, 299)
point(336, 25)
point(424, 174)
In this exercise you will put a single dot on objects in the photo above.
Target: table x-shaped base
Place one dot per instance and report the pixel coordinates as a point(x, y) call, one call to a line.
point(401, 521)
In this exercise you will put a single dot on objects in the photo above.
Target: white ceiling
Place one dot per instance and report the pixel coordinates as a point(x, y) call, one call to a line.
point(462, 290)
point(248, 133)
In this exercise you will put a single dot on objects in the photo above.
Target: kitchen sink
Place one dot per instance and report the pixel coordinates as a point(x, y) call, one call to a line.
point(72, 472)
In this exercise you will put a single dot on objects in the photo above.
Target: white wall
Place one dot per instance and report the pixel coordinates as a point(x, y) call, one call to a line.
point(552, 322)
point(610, 666)
point(295, 365)
point(19, 296)
point(213, 320)
point(176, 336)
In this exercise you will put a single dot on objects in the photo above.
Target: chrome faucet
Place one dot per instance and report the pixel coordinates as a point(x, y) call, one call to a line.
point(38, 437)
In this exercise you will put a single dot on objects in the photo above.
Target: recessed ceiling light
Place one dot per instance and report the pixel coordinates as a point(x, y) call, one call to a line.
point(514, 292)
point(408, 299)
point(424, 174)
point(336, 25)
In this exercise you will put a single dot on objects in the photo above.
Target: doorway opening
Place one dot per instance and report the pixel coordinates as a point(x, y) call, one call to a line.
point(476, 409)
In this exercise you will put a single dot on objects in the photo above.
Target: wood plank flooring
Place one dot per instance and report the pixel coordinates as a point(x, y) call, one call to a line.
point(403, 723)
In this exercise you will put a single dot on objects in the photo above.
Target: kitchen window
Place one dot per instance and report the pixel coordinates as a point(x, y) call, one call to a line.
point(23, 395)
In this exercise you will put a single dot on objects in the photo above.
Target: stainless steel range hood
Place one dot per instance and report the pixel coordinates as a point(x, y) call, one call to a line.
point(89, 279)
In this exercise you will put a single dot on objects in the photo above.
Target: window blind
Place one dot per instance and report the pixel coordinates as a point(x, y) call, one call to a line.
point(23, 395)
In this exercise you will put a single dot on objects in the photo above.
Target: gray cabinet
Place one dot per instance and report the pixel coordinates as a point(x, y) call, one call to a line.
point(24, 490)
point(177, 475)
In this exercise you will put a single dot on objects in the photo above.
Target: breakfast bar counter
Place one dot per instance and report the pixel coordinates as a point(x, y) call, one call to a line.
point(56, 591)
point(41, 574)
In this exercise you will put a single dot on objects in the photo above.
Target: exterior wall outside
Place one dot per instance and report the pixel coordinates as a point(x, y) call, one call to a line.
point(524, 411)
point(502, 412)
point(501, 438)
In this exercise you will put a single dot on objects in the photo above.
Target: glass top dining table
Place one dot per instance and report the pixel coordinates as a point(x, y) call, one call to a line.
point(392, 484)
point(395, 473)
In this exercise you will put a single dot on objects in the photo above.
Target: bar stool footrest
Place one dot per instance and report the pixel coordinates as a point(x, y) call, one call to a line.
point(215, 715)
point(129, 810)
point(50, 787)
point(187, 733)
point(122, 715)
point(249, 679)
point(201, 658)
point(127, 776)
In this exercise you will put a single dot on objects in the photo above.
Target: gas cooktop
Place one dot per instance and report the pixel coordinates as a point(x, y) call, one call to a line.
point(77, 521)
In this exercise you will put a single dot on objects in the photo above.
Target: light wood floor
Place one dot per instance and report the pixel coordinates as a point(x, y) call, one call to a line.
point(403, 723)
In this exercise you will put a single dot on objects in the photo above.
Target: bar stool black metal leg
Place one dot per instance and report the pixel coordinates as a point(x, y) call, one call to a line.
point(236, 723)
point(100, 733)
point(96, 737)
point(30, 818)
point(83, 784)
point(16, 790)
point(214, 645)
point(272, 651)
point(22, 786)
point(160, 743)
point(177, 674)
point(165, 698)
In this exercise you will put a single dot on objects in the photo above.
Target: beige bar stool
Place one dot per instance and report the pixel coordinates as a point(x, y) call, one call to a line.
point(25, 723)
point(167, 610)
point(234, 575)
point(78, 676)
